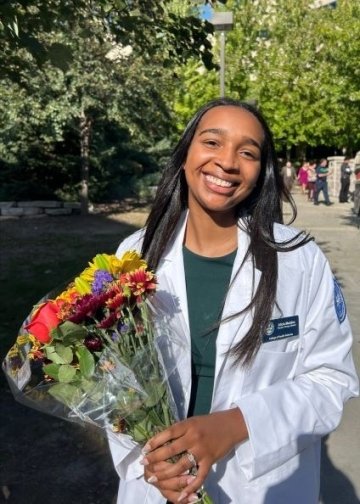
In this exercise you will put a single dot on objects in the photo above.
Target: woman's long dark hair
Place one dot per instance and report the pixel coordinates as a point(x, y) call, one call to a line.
point(260, 210)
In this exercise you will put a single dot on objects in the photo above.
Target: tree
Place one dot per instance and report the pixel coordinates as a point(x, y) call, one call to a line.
point(147, 25)
point(298, 63)
point(54, 107)
point(37, 44)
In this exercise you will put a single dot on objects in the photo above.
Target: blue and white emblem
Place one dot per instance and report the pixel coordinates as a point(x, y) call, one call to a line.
point(270, 328)
point(339, 301)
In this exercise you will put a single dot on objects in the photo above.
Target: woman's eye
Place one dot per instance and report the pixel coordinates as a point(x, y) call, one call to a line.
point(210, 143)
point(248, 154)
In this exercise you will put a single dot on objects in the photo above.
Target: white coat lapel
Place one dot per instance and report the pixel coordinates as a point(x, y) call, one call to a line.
point(243, 285)
point(171, 275)
point(172, 286)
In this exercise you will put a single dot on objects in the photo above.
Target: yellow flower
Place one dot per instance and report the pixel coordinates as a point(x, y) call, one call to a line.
point(130, 261)
point(82, 286)
point(89, 273)
point(22, 339)
point(68, 295)
point(13, 352)
point(35, 351)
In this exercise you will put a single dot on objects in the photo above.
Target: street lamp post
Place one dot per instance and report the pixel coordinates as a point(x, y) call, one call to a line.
point(223, 22)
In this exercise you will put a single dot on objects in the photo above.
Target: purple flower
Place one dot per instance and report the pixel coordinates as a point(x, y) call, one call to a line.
point(115, 337)
point(123, 328)
point(101, 278)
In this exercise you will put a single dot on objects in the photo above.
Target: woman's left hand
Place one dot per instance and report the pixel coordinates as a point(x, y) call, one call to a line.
point(208, 438)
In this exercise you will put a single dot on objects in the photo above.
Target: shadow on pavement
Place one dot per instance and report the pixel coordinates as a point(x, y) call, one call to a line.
point(46, 459)
point(351, 220)
point(336, 487)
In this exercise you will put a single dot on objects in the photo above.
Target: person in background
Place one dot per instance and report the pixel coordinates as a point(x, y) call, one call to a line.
point(268, 361)
point(311, 180)
point(303, 176)
point(345, 173)
point(289, 175)
point(321, 184)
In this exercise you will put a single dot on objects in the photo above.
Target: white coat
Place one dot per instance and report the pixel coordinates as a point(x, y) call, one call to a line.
point(291, 396)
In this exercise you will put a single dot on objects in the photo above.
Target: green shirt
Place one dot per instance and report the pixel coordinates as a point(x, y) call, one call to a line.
point(207, 282)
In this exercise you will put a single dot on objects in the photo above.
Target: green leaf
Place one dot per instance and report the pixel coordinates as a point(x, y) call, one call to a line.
point(65, 353)
point(69, 333)
point(128, 403)
point(59, 354)
point(66, 373)
point(139, 433)
point(86, 361)
point(65, 393)
point(155, 391)
point(52, 355)
point(52, 370)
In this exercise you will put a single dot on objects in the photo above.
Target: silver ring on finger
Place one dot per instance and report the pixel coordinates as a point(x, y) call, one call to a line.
point(191, 458)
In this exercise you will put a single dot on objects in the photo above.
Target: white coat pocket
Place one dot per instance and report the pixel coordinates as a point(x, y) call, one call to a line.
point(269, 367)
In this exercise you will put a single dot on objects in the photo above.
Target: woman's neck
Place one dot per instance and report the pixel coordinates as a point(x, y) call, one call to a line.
point(211, 235)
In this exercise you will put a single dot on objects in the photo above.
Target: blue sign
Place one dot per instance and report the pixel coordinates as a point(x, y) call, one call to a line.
point(206, 12)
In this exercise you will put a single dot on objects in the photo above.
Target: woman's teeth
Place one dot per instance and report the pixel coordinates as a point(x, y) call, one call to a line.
point(218, 182)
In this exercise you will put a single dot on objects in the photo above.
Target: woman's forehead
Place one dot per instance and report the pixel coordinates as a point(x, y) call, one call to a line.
point(231, 119)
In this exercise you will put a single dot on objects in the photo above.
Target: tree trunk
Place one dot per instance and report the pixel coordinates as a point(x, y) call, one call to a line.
point(85, 134)
point(300, 152)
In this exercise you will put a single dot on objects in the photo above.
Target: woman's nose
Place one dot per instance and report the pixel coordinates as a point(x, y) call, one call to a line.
point(227, 159)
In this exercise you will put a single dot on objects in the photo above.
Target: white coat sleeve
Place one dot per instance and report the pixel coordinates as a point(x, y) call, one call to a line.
point(126, 455)
point(284, 418)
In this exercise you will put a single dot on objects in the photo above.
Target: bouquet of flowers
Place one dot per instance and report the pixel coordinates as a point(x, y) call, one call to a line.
point(92, 353)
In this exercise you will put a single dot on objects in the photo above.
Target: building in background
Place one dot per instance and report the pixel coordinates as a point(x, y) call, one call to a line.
point(324, 3)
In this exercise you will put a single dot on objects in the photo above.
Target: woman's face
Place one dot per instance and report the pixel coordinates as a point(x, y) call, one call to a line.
point(223, 160)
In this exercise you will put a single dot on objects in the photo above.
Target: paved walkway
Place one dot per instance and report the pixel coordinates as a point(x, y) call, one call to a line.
point(336, 231)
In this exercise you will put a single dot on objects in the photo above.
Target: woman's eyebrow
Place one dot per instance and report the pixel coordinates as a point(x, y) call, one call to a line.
point(219, 131)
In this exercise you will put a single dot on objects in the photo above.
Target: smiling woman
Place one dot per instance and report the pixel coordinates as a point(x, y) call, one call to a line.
point(268, 363)
point(221, 169)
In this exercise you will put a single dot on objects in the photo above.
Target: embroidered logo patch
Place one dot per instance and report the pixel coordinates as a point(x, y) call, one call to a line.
point(339, 302)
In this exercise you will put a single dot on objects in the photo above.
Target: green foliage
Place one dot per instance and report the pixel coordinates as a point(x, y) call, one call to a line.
point(197, 85)
point(147, 25)
point(300, 64)
point(85, 110)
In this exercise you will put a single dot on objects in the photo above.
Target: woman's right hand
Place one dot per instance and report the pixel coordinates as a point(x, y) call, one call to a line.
point(193, 436)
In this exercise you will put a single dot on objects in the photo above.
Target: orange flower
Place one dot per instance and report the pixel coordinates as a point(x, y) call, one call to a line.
point(43, 321)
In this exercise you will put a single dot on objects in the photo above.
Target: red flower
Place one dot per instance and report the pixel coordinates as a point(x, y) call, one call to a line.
point(116, 300)
point(108, 322)
point(93, 343)
point(139, 281)
point(43, 321)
